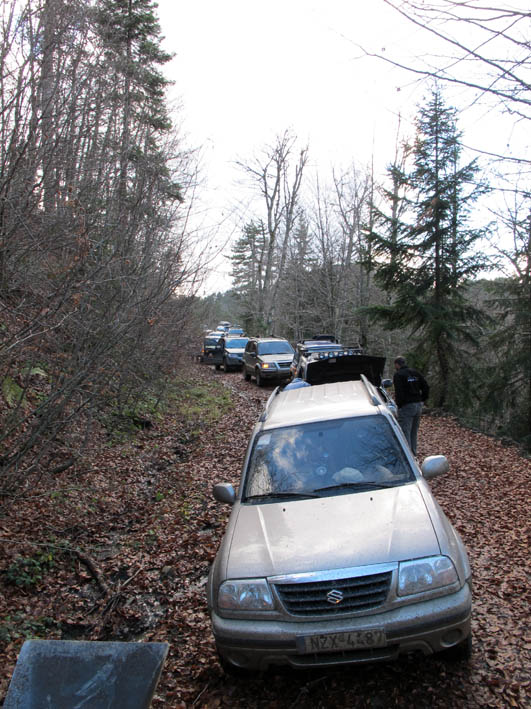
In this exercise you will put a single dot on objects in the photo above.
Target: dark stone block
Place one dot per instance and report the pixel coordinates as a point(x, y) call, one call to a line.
point(64, 674)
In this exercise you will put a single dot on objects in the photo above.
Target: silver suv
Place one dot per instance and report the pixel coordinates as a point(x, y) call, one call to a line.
point(336, 552)
point(267, 358)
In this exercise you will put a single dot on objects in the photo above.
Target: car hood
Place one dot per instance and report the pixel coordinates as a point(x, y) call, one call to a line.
point(276, 357)
point(335, 532)
point(235, 350)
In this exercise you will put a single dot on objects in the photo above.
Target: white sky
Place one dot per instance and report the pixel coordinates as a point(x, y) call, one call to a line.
point(246, 71)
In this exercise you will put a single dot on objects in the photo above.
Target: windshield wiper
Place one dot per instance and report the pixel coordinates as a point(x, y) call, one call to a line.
point(360, 483)
point(273, 495)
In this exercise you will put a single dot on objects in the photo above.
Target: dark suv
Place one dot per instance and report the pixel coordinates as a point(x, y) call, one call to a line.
point(267, 358)
point(210, 348)
point(336, 363)
point(318, 343)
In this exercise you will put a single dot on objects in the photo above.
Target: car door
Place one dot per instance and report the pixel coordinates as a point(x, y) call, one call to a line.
point(250, 358)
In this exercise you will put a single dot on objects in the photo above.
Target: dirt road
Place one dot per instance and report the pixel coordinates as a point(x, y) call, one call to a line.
point(120, 550)
point(486, 496)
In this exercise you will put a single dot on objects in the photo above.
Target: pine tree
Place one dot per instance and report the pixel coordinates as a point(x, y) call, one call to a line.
point(248, 259)
point(430, 250)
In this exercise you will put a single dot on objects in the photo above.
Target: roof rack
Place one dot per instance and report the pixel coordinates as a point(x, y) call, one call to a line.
point(371, 391)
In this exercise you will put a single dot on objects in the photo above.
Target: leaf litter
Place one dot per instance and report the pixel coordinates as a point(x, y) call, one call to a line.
point(128, 539)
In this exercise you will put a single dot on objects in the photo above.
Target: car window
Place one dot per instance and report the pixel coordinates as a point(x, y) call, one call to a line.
point(276, 347)
point(211, 341)
point(236, 342)
point(337, 454)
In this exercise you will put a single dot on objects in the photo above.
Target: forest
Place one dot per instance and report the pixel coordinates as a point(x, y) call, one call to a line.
point(102, 266)
point(418, 266)
point(101, 261)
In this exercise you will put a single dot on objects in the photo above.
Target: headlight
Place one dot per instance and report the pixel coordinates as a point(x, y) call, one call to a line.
point(264, 365)
point(245, 595)
point(425, 575)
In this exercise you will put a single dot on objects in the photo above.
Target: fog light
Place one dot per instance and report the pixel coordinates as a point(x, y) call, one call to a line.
point(452, 637)
point(236, 658)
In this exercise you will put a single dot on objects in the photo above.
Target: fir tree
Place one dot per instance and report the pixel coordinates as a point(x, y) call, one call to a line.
point(427, 254)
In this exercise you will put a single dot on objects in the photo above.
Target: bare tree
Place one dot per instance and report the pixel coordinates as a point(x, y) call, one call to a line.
point(96, 256)
point(278, 182)
point(492, 38)
point(339, 222)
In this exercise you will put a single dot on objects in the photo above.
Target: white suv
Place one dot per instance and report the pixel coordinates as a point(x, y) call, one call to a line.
point(336, 552)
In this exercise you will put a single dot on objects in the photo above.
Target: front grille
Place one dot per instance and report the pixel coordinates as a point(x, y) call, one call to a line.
point(358, 594)
point(282, 365)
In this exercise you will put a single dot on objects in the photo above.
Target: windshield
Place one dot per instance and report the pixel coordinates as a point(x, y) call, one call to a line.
point(236, 342)
point(331, 457)
point(211, 341)
point(280, 347)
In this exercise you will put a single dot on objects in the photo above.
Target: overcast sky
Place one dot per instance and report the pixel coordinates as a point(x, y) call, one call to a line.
point(245, 71)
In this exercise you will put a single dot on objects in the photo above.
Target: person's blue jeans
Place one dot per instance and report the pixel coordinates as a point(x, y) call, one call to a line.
point(409, 420)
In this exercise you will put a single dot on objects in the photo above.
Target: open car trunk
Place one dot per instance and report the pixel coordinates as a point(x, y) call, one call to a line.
point(345, 368)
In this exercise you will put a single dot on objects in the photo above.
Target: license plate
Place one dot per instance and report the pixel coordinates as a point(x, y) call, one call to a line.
point(352, 640)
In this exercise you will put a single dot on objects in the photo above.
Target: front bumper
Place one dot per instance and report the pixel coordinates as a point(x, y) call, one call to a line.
point(275, 373)
point(234, 360)
point(428, 627)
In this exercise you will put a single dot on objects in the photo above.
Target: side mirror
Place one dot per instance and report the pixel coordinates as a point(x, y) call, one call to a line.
point(434, 465)
point(224, 492)
point(387, 383)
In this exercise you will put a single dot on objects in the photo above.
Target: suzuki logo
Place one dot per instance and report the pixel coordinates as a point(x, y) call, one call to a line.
point(334, 596)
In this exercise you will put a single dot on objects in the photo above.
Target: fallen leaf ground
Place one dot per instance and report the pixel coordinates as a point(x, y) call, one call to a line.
point(119, 549)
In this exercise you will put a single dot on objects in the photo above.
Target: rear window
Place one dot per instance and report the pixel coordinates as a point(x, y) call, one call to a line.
point(280, 347)
point(337, 454)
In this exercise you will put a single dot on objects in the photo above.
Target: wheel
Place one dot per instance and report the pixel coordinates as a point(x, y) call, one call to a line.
point(226, 366)
point(218, 367)
point(462, 651)
point(259, 379)
point(246, 374)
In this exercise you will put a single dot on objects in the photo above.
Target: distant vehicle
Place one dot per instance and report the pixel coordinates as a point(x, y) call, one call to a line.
point(232, 352)
point(210, 347)
point(267, 358)
point(336, 551)
point(236, 332)
point(223, 326)
point(224, 351)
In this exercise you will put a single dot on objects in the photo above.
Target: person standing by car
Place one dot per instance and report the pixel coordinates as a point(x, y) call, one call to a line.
point(411, 391)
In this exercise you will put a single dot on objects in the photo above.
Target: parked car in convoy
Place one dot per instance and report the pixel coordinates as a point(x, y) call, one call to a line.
point(318, 343)
point(230, 354)
point(236, 331)
point(224, 351)
point(210, 347)
point(336, 551)
point(267, 358)
point(233, 349)
point(320, 363)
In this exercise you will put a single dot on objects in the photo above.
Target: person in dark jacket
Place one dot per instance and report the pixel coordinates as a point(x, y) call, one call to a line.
point(411, 391)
